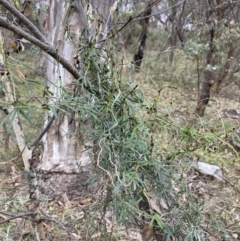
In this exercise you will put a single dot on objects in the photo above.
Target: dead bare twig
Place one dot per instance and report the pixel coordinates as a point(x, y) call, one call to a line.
point(46, 217)
point(13, 216)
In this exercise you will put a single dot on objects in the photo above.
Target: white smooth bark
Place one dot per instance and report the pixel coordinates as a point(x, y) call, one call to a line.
point(26, 153)
point(63, 26)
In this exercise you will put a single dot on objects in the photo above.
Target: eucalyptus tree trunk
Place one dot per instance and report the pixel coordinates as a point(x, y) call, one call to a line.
point(63, 26)
point(66, 25)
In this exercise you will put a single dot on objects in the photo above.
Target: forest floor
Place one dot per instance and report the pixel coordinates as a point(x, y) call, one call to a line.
point(175, 104)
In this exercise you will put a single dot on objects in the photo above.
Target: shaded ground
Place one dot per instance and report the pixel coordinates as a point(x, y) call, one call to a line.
point(74, 214)
point(175, 107)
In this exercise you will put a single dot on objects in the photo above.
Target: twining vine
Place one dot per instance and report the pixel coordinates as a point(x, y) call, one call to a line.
point(122, 146)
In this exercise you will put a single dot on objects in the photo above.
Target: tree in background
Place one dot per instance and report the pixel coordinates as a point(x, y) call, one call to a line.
point(138, 56)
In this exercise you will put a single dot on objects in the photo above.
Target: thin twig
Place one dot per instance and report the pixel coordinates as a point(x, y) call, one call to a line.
point(46, 47)
point(27, 66)
point(130, 20)
point(43, 132)
point(24, 20)
point(15, 216)
point(58, 223)
point(154, 14)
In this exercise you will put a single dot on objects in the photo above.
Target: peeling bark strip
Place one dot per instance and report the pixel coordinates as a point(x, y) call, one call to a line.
point(138, 56)
point(25, 152)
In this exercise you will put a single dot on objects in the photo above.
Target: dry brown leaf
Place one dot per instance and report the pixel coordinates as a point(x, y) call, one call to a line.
point(233, 210)
point(85, 201)
point(183, 199)
point(76, 236)
point(152, 200)
point(21, 75)
point(66, 201)
point(147, 233)
point(60, 203)
point(74, 203)
point(96, 235)
point(25, 41)
point(78, 214)
point(13, 170)
point(3, 216)
point(40, 231)
point(26, 8)
point(163, 204)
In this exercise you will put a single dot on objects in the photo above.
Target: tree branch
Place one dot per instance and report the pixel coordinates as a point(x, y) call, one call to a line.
point(15, 217)
point(46, 47)
point(131, 19)
point(135, 19)
point(24, 20)
point(42, 133)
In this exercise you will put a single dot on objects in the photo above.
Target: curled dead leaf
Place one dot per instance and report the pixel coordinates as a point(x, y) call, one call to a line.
point(147, 233)
point(21, 75)
point(85, 201)
point(152, 200)
point(163, 204)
